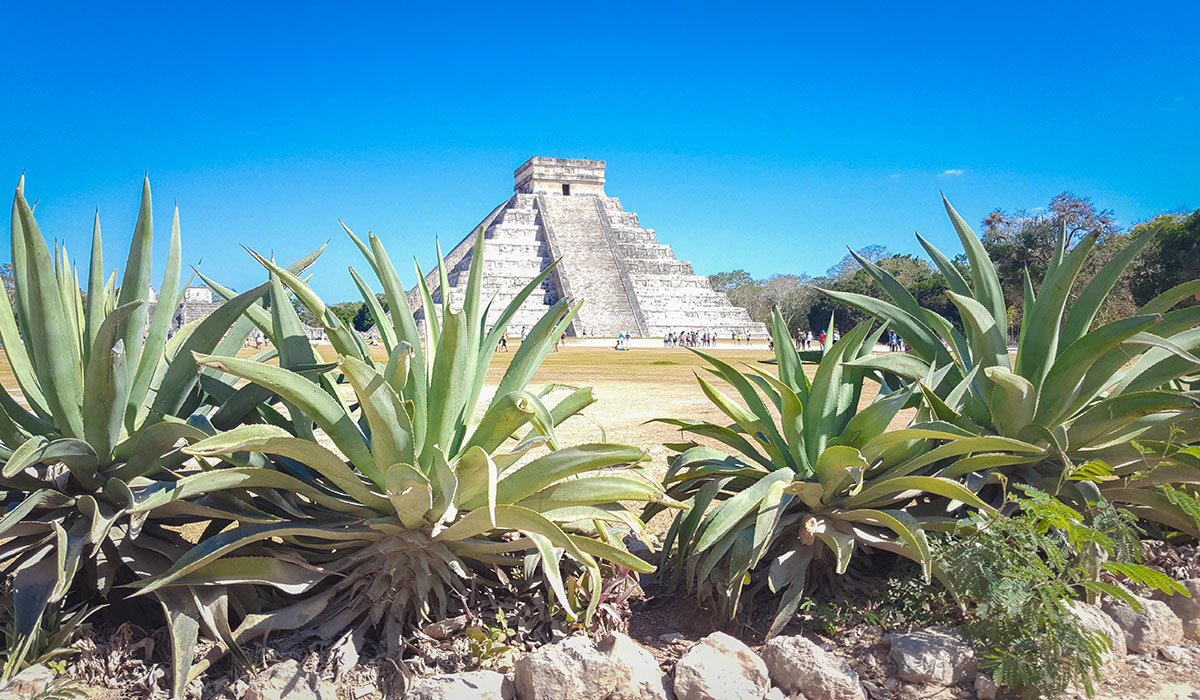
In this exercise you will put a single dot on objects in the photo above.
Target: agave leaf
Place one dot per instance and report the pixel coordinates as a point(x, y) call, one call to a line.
point(924, 344)
point(386, 332)
point(104, 393)
point(538, 343)
point(391, 430)
point(872, 421)
point(181, 377)
point(899, 363)
point(135, 283)
point(949, 270)
point(988, 292)
point(411, 494)
point(904, 525)
point(477, 481)
point(791, 419)
point(243, 477)
point(1107, 417)
point(53, 345)
point(789, 573)
point(1040, 345)
point(607, 552)
point(271, 440)
point(1165, 301)
point(502, 420)
point(156, 334)
point(1012, 400)
point(750, 423)
point(143, 452)
point(406, 331)
point(1065, 379)
point(1088, 303)
point(448, 385)
point(731, 512)
point(560, 464)
point(433, 324)
point(95, 294)
point(227, 541)
point(882, 491)
point(315, 403)
point(989, 346)
point(594, 490)
point(33, 585)
point(1160, 365)
point(823, 402)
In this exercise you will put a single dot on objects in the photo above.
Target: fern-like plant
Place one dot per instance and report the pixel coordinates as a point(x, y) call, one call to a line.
point(1017, 575)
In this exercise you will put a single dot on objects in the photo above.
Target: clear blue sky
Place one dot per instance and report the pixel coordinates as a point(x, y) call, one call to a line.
point(757, 136)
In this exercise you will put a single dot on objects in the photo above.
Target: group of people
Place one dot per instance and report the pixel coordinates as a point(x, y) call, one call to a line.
point(688, 339)
point(895, 344)
point(806, 339)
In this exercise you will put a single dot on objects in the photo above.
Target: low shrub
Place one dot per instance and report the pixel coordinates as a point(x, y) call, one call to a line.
point(1015, 576)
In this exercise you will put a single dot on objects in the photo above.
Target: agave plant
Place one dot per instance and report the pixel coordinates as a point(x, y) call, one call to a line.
point(1081, 395)
point(96, 425)
point(809, 479)
point(414, 492)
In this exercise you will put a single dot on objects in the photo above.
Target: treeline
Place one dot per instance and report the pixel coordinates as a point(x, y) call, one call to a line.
point(1017, 241)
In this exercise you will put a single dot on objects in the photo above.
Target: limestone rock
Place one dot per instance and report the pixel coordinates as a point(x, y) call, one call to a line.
point(287, 680)
point(638, 674)
point(1191, 628)
point(445, 629)
point(985, 687)
point(29, 682)
point(1175, 654)
point(797, 665)
point(474, 685)
point(775, 694)
point(938, 656)
point(1187, 609)
point(720, 667)
point(1094, 619)
point(1145, 632)
point(573, 669)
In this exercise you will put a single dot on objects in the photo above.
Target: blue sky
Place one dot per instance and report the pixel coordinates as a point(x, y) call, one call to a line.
point(759, 136)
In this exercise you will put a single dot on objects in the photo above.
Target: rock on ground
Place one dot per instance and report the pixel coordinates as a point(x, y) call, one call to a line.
point(573, 669)
point(1094, 619)
point(938, 656)
point(1145, 632)
point(638, 674)
point(1187, 609)
point(27, 683)
point(720, 667)
point(797, 665)
point(985, 687)
point(287, 680)
point(474, 685)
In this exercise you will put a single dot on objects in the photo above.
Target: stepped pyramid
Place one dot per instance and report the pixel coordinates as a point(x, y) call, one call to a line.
point(629, 282)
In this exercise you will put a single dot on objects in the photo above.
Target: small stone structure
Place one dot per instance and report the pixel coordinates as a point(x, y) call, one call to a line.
point(198, 302)
point(628, 281)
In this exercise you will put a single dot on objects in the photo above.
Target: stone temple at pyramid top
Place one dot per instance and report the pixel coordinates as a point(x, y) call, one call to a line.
point(565, 176)
point(628, 281)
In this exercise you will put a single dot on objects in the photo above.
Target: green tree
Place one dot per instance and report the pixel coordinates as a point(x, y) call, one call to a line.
point(1171, 259)
point(1026, 240)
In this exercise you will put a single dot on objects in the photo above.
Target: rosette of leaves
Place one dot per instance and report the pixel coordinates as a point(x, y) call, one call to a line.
point(416, 490)
point(808, 479)
point(97, 422)
point(1080, 393)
